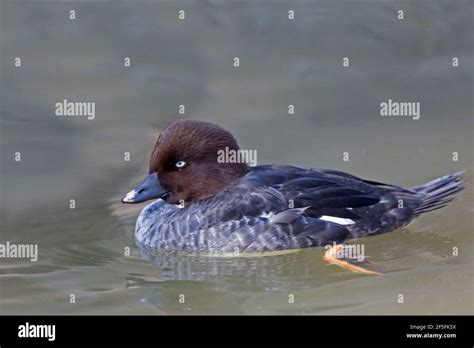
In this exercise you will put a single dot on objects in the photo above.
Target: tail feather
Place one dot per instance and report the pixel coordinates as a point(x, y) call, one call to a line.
point(437, 193)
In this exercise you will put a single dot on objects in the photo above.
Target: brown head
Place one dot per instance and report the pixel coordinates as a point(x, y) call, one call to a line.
point(184, 164)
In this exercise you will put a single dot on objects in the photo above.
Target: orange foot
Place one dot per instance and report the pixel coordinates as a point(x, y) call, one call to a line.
point(330, 256)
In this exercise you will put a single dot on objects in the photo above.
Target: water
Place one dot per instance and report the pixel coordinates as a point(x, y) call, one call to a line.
point(82, 250)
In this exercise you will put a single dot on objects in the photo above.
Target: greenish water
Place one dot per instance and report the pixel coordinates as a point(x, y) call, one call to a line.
point(82, 250)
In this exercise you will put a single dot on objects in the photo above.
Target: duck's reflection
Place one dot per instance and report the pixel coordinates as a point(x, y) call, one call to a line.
point(210, 267)
point(230, 285)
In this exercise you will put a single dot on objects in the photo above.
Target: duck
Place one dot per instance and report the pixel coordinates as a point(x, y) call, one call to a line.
point(202, 204)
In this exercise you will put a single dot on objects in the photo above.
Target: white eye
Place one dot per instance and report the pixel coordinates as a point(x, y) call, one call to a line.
point(180, 164)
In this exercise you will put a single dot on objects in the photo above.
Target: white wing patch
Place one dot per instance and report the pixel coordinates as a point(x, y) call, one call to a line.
point(267, 215)
point(337, 220)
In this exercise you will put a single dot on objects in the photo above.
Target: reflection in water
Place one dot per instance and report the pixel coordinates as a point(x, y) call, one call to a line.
point(210, 268)
point(210, 284)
